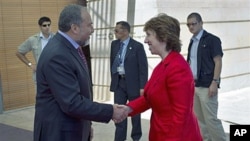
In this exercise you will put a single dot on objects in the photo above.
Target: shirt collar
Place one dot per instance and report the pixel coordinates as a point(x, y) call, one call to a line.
point(198, 36)
point(74, 43)
point(125, 42)
point(42, 36)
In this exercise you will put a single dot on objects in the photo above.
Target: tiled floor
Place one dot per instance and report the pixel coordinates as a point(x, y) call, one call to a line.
point(233, 108)
point(22, 118)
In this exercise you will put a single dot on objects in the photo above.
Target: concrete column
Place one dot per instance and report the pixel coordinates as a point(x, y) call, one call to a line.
point(131, 15)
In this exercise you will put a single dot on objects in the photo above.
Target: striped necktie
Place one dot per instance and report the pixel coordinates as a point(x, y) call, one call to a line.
point(118, 58)
point(80, 52)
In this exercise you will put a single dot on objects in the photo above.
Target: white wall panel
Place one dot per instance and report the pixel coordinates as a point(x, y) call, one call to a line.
point(228, 19)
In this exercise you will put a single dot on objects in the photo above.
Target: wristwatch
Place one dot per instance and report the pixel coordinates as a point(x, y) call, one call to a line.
point(29, 64)
point(216, 80)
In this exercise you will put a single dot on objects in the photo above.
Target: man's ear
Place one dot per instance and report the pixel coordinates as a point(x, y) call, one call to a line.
point(75, 28)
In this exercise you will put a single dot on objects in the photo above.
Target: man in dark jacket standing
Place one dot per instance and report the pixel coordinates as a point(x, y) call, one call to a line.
point(205, 59)
point(64, 107)
point(129, 74)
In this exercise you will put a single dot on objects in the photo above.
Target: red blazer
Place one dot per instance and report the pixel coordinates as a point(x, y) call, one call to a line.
point(169, 93)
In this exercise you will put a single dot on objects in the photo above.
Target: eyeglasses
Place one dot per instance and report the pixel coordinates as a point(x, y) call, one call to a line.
point(193, 24)
point(45, 25)
point(119, 30)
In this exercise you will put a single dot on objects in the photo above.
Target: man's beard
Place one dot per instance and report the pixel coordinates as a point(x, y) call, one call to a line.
point(83, 43)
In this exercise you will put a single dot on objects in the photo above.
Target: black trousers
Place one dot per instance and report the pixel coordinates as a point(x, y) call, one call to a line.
point(121, 97)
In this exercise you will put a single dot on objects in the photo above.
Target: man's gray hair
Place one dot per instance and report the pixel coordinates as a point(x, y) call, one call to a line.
point(71, 14)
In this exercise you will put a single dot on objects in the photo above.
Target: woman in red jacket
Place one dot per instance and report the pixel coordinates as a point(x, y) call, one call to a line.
point(170, 90)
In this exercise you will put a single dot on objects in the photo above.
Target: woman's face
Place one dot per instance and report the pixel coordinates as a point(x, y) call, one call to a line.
point(155, 46)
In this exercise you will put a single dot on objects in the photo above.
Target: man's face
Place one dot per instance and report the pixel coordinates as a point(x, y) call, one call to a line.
point(86, 29)
point(120, 33)
point(194, 26)
point(45, 28)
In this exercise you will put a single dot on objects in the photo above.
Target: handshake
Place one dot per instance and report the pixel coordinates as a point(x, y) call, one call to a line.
point(120, 112)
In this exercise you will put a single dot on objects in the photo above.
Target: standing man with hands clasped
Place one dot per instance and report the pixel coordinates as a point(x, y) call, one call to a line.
point(129, 74)
point(64, 107)
point(35, 43)
point(205, 59)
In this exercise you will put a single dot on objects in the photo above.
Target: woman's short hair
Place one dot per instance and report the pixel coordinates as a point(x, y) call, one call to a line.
point(167, 29)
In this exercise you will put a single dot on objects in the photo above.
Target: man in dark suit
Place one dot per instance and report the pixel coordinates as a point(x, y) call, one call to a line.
point(129, 74)
point(64, 108)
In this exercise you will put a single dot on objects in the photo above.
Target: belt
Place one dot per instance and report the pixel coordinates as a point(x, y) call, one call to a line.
point(121, 76)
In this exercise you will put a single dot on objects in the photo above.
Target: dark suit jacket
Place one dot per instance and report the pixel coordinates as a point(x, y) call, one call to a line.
point(135, 65)
point(64, 107)
point(209, 47)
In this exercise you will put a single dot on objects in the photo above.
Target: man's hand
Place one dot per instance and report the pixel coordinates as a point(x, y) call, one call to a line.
point(120, 113)
point(33, 67)
point(213, 89)
point(141, 92)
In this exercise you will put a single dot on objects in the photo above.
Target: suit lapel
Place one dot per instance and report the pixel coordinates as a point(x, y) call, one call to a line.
point(74, 52)
point(117, 47)
point(129, 48)
point(79, 59)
